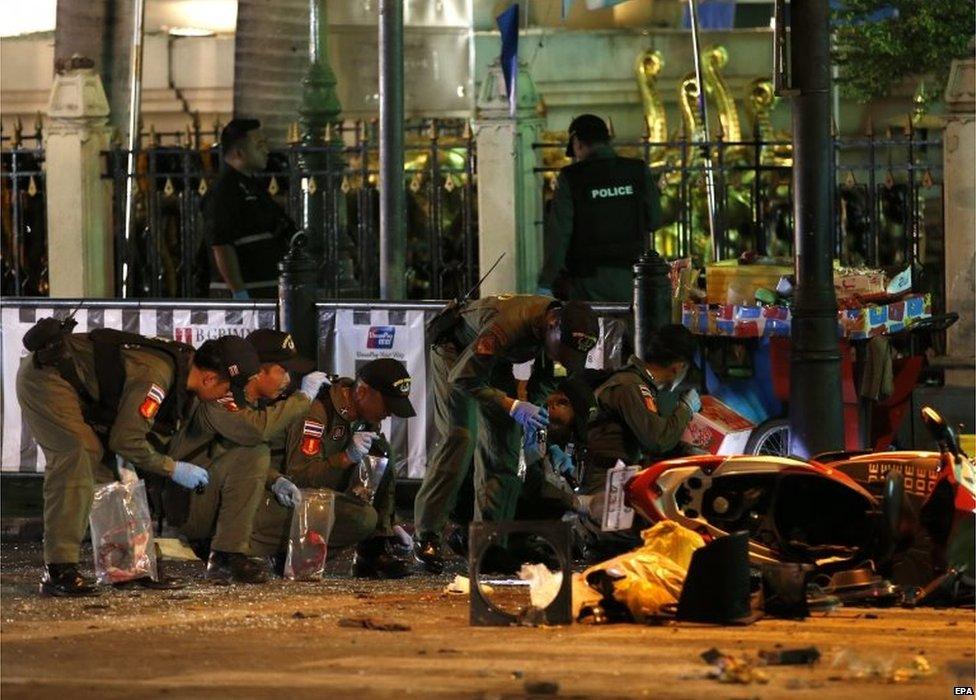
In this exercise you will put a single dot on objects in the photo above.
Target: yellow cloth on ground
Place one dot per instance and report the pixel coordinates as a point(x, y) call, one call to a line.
point(653, 574)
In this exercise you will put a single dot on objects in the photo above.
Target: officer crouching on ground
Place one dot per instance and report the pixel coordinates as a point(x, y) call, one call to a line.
point(553, 464)
point(473, 350)
point(600, 219)
point(326, 451)
point(230, 438)
point(88, 397)
point(639, 419)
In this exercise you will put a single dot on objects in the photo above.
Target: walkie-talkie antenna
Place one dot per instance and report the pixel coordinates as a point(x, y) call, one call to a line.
point(69, 320)
point(483, 278)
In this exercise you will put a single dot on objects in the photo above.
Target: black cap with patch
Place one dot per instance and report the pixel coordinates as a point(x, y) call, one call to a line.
point(278, 347)
point(390, 378)
point(582, 400)
point(580, 327)
point(588, 128)
point(237, 358)
point(236, 130)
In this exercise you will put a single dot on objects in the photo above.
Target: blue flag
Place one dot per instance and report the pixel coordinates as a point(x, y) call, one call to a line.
point(508, 26)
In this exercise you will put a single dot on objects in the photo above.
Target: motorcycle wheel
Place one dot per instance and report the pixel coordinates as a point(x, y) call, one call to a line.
point(771, 437)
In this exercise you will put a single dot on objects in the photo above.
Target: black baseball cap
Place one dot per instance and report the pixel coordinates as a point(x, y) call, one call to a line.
point(236, 130)
point(278, 347)
point(390, 378)
point(588, 128)
point(580, 327)
point(581, 398)
point(671, 343)
point(234, 356)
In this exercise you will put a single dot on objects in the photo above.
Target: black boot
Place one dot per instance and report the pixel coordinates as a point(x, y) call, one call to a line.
point(63, 580)
point(457, 540)
point(379, 557)
point(427, 551)
point(225, 567)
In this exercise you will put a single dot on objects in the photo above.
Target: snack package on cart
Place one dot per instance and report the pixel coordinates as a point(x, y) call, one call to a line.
point(122, 533)
point(311, 526)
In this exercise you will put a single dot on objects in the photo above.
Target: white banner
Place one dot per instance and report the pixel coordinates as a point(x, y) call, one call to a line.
point(362, 336)
point(19, 451)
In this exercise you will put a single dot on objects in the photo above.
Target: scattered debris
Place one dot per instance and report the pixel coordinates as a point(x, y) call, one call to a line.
point(541, 687)
point(299, 615)
point(857, 667)
point(919, 668)
point(461, 585)
point(791, 657)
point(517, 675)
point(732, 669)
point(870, 616)
point(95, 606)
point(368, 623)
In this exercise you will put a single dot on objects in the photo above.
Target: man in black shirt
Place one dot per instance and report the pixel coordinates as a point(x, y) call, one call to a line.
point(246, 229)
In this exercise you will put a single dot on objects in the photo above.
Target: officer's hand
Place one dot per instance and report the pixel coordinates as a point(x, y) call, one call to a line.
point(533, 449)
point(529, 416)
point(561, 462)
point(190, 476)
point(692, 400)
point(286, 492)
point(241, 294)
point(359, 445)
point(312, 383)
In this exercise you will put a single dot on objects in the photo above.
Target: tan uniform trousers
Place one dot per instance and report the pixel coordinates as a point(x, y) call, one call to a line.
point(226, 509)
point(52, 411)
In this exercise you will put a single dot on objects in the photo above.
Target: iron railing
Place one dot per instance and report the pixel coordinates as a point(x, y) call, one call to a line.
point(329, 190)
point(888, 201)
point(23, 252)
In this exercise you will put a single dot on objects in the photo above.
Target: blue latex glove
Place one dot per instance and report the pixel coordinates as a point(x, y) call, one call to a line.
point(561, 461)
point(692, 400)
point(241, 294)
point(286, 492)
point(528, 415)
point(190, 476)
point(544, 292)
point(359, 445)
point(312, 382)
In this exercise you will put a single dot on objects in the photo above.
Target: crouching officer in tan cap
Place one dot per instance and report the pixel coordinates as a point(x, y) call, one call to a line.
point(230, 438)
point(326, 450)
point(89, 397)
point(473, 350)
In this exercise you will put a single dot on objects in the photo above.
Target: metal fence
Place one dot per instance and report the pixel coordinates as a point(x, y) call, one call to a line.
point(888, 203)
point(23, 252)
point(330, 190)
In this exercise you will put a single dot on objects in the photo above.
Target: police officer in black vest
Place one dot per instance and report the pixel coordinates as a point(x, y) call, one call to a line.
point(600, 219)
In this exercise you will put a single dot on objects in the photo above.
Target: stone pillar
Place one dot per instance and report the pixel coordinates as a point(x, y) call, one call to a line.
point(509, 191)
point(959, 149)
point(78, 200)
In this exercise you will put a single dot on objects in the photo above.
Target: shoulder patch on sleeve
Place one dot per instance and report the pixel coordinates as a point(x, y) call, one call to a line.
point(229, 403)
point(154, 399)
point(649, 401)
point(491, 341)
point(312, 438)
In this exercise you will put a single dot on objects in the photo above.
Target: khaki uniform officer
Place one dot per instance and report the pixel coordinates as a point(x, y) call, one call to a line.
point(471, 363)
point(326, 451)
point(86, 396)
point(640, 418)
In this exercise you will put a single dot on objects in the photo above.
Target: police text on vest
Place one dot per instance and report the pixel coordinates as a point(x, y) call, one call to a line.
point(607, 192)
